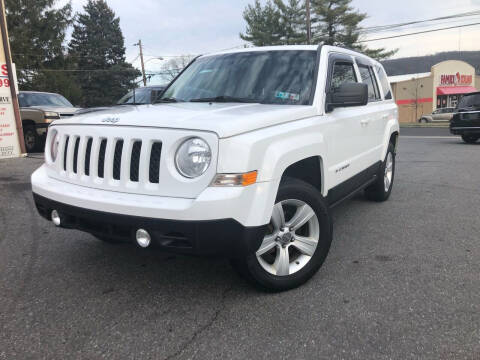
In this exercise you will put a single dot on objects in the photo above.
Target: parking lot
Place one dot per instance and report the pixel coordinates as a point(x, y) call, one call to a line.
point(401, 280)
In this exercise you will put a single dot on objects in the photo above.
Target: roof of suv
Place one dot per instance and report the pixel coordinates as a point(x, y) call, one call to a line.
point(294, 47)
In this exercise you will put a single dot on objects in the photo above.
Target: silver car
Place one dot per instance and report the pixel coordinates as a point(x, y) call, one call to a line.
point(439, 115)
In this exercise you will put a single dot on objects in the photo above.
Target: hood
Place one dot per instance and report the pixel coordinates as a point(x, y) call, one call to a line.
point(221, 118)
point(59, 109)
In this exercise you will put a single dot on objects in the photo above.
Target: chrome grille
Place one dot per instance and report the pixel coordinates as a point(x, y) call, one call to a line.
point(113, 158)
point(125, 159)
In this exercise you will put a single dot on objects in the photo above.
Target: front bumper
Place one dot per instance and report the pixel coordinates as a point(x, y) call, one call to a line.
point(229, 221)
point(223, 236)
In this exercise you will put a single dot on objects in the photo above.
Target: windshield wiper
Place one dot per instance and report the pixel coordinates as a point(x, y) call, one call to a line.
point(167, 100)
point(225, 99)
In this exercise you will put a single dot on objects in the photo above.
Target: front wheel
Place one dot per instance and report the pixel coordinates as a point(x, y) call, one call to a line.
point(31, 138)
point(470, 139)
point(296, 242)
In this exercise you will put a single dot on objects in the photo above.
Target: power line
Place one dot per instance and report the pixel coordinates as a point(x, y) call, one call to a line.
point(419, 26)
point(418, 32)
point(392, 26)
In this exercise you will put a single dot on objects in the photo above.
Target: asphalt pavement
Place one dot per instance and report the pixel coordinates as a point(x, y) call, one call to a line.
point(401, 280)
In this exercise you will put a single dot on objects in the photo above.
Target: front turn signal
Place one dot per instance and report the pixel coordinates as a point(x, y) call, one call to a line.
point(245, 179)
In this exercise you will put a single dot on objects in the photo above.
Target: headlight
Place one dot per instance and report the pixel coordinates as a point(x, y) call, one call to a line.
point(193, 158)
point(54, 141)
point(51, 115)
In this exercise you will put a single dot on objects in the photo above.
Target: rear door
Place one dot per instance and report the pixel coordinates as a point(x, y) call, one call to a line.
point(374, 116)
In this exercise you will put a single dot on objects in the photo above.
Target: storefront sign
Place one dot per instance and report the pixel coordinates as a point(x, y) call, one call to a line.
point(457, 79)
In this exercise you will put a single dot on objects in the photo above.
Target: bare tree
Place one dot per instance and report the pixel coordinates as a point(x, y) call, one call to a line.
point(175, 65)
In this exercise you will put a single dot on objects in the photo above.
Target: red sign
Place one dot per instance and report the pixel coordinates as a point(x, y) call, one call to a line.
point(456, 79)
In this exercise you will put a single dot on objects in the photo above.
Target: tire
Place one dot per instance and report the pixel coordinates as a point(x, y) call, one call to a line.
point(263, 267)
point(31, 138)
point(423, 121)
point(470, 139)
point(381, 189)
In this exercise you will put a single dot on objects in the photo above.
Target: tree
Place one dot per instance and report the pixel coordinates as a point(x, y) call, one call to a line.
point(174, 66)
point(98, 50)
point(263, 24)
point(283, 22)
point(292, 22)
point(335, 22)
point(37, 33)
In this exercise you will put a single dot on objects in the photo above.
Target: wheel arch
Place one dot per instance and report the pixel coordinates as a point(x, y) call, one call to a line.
point(392, 133)
point(28, 122)
point(308, 170)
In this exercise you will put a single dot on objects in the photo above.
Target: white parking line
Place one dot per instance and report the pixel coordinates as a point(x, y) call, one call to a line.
point(428, 137)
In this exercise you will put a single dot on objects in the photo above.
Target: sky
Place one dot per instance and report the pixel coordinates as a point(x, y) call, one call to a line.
point(170, 28)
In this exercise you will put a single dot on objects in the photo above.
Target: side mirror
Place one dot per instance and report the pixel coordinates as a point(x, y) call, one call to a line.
point(348, 94)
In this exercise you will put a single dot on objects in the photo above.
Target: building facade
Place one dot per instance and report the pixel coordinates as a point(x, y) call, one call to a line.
point(442, 87)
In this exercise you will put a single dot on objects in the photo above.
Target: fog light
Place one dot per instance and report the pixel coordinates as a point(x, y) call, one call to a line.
point(55, 216)
point(143, 238)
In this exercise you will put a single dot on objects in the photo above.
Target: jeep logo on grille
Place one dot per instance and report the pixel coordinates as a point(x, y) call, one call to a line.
point(111, 120)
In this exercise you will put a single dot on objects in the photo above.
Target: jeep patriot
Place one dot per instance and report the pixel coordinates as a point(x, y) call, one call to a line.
point(244, 155)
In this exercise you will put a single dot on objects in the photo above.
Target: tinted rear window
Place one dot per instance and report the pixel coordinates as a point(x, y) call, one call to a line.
point(469, 101)
point(384, 82)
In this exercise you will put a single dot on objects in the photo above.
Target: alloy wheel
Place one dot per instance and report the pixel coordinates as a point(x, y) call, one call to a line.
point(291, 240)
point(387, 180)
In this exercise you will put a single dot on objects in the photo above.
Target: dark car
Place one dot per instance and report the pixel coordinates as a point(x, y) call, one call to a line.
point(466, 121)
point(142, 96)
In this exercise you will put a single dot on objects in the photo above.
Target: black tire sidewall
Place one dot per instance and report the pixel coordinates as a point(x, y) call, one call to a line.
point(296, 189)
point(27, 130)
point(470, 139)
point(377, 191)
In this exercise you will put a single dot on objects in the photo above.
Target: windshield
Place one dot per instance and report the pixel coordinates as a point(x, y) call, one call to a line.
point(42, 99)
point(142, 96)
point(469, 101)
point(269, 77)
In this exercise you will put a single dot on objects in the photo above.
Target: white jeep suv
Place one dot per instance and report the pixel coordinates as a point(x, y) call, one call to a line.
point(244, 154)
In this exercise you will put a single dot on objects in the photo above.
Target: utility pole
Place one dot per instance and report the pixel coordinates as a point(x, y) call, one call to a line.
point(139, 44)
point(309, 25)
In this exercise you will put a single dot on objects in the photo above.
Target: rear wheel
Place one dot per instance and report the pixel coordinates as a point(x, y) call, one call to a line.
point(470, 139)
point(381, 189)
point(296, 242)
point(423, 121)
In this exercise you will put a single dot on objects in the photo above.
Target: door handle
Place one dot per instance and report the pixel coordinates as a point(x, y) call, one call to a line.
point(385, 117)
point(364, 122)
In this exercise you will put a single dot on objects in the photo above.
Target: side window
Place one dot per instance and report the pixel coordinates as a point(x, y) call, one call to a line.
point(22, 100)
point(343, 72)
point(366, 72)
point(384, 82)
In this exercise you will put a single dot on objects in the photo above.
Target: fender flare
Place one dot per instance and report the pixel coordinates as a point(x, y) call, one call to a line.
point(391, 128)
